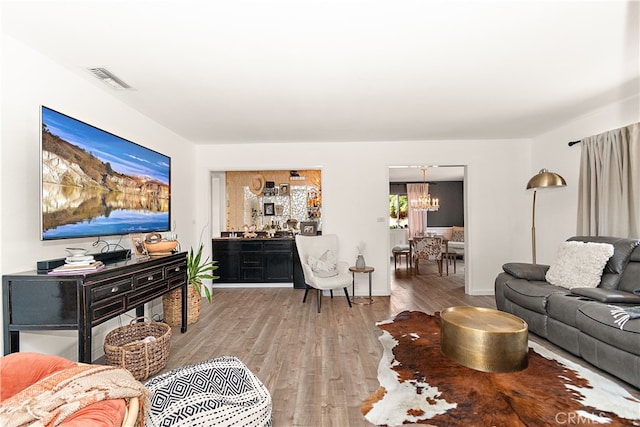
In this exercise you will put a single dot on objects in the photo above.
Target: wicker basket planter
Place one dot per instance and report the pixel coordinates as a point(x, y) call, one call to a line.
point(124, 347)
point(172, 303)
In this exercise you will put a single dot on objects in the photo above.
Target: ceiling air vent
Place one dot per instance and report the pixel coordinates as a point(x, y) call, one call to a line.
point(109, 78)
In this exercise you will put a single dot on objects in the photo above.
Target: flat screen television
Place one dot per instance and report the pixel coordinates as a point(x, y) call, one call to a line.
point(94, 183)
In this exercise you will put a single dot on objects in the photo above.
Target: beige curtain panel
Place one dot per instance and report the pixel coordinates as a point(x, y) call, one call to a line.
point(417, 220)
point(609, 185)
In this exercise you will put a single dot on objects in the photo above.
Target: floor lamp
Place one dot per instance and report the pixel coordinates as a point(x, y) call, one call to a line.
point(542, 179)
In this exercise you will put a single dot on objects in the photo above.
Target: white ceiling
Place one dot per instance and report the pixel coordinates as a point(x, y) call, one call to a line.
point(345, 70)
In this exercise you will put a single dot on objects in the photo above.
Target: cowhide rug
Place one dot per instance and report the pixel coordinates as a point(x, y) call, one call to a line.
point(419, 384)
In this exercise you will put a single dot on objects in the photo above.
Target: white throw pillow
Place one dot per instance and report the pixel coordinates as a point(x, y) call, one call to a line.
point(579, 264)
point(325, 266)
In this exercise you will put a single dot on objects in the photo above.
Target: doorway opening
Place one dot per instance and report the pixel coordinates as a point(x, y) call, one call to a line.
point(445, 183)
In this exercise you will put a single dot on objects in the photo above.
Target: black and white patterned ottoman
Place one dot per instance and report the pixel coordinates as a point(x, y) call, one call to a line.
point(217, 392)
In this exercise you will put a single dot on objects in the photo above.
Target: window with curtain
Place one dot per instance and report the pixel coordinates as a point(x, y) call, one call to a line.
point(609, 185)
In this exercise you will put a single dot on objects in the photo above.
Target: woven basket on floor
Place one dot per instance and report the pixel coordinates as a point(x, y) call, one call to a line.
point(172, 306)
point(124, 347)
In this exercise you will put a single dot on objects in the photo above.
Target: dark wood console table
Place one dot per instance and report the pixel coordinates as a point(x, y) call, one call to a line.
point(40, 301)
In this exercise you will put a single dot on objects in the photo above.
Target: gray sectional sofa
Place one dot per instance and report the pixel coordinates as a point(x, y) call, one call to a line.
point(580, 320)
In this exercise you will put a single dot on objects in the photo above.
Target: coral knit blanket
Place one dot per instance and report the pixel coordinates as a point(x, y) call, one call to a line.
point(49, 401)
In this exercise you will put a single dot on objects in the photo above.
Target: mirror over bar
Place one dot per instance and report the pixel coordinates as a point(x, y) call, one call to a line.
point(272, 199)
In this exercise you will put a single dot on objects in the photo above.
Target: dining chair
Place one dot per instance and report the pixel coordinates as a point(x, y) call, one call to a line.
point(427, 248)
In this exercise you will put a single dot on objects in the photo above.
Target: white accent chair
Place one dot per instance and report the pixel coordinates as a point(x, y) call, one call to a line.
point(315, 247)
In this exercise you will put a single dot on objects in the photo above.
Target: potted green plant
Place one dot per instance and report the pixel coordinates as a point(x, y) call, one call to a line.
point(198, 269)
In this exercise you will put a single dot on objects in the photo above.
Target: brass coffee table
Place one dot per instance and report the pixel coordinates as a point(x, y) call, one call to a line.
point(484, 339)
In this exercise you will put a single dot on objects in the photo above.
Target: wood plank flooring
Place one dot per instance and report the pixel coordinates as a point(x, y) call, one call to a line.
point(318, 367)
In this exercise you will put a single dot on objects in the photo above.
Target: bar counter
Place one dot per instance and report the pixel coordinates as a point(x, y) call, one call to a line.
point(257, 260)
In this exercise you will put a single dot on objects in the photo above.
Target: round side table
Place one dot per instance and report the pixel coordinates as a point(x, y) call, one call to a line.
point(353, 271)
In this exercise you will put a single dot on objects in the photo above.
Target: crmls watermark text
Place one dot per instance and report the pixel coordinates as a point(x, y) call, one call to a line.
point(581, 418)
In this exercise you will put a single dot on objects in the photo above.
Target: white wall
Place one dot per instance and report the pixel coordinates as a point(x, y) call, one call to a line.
point(557, 209)
point(498, 216)
point(28, 81)
point(355, 188)
point(1, 157)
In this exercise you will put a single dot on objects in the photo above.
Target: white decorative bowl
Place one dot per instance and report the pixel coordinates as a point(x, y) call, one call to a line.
point(76, 252)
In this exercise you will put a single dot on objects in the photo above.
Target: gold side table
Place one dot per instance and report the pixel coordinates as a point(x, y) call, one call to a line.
point(484, 339)
point(353, 271)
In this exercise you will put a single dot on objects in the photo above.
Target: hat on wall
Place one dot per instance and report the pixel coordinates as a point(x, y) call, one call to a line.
point(256, 185)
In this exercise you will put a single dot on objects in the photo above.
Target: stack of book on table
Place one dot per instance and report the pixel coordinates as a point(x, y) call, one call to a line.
point(78, 264)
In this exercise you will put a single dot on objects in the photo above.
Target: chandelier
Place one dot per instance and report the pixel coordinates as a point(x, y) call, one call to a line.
point(424, 203)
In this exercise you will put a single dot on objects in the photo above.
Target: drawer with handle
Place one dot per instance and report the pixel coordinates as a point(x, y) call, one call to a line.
point(176, 269)
point(147, 277)
point(110, 290)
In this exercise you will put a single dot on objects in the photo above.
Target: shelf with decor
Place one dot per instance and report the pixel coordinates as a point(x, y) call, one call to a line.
point(256, 198)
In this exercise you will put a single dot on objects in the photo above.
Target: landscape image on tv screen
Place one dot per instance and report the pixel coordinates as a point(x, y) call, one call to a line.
point(95, 183)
